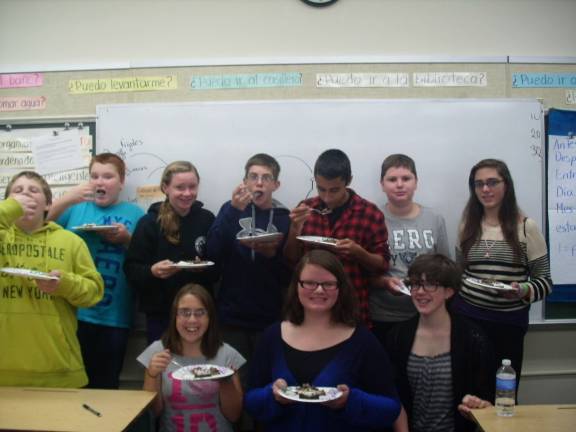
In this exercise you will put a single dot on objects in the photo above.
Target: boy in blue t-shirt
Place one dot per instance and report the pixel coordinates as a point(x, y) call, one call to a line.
point(94, 212)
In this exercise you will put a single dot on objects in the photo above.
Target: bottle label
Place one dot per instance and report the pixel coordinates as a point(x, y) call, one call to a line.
point(505, 384)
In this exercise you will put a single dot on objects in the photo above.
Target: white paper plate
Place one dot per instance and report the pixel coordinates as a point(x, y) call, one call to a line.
point(326, 241)
point(186, 373)
point(192, 264)
point(34, 274)
point(489, 284)
point(260, 238)
point(94, 227)
point(404, 289)
point(330, 393)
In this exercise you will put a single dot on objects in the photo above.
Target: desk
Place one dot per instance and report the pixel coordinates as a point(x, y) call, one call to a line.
point(529, 418)
point(49, 409)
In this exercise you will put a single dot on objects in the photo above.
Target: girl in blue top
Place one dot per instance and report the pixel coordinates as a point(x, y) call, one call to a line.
point(321, 343)
point(103, 329)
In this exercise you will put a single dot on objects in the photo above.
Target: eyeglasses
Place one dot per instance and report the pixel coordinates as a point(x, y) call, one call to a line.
point(313, 285)
point(429, 287)
point(187, 313)
point(255, 178)
point(491, 183)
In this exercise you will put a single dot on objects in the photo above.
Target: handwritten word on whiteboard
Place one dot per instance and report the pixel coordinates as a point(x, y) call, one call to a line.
point(543, 80)
point(390, 79)
point(21, 80)
point(450, 79)
point(22, 103)
point(113, 85)
point(237, 81)
point(562, 206)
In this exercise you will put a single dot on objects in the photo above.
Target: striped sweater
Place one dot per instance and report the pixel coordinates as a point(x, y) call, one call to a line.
point(492, 258)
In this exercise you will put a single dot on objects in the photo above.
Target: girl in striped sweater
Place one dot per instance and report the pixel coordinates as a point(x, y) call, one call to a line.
point(497, 243)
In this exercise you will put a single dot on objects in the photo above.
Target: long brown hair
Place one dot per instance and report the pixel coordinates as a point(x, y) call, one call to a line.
point(508, 214)
point(167, 216)
point(211, 341)
point(344, 311)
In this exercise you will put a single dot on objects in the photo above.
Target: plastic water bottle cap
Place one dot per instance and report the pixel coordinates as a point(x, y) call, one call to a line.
point(506, 362)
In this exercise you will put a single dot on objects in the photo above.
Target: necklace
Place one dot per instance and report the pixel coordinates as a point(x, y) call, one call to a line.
point(488, 247)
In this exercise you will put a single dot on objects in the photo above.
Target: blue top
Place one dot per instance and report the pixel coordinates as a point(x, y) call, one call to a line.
point(115, 308)
point(361, 364)
point(253, 285)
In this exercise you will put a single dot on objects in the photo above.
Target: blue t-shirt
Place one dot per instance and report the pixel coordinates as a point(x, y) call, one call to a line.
point(115, 308)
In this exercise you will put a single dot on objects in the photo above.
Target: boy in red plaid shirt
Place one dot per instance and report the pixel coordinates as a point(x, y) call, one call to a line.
point(338, 212)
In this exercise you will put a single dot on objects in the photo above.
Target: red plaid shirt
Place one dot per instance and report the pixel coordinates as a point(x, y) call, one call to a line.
point(361, 222)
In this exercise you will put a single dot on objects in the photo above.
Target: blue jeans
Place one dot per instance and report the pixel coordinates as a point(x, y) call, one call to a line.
point(103, 351)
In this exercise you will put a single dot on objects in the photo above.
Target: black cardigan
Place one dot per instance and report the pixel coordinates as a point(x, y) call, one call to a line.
point(472, 363)
point(149, 245)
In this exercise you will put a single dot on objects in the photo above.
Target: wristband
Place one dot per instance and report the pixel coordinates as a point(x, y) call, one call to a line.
point(524, 290)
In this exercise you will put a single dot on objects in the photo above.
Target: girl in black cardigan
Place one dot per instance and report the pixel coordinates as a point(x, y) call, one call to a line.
point(443, 362)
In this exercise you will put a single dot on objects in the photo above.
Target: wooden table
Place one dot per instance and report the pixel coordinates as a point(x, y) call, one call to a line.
point(50, 409)
point(529, 418)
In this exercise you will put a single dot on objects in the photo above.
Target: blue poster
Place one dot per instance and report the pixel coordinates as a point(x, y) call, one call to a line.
point(561, 205)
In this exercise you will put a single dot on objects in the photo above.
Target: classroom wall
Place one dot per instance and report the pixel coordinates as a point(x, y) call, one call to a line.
point(39, 35)
point(92, 32)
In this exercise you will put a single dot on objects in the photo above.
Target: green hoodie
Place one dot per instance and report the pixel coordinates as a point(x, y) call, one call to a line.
point(38, 344)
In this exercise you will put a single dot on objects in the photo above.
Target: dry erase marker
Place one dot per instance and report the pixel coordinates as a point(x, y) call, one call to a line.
point(92, 410)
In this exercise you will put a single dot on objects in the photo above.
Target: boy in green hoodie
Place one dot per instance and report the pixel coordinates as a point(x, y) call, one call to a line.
point(38, 311)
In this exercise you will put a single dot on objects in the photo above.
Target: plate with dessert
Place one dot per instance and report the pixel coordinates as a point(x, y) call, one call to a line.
point(94, 227)
point(310, 394)
point(327, 241)
point(259, 238)
point(27, 273)
point(489, 283)
point(192, 264)
point(202, 372)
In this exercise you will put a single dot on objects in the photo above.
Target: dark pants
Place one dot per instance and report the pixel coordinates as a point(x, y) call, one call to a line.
point(245, 342)
point(156, 325)
point(103, 351)
point(508, 343)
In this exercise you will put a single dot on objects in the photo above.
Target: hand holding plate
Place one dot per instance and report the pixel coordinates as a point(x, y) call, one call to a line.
point(396, 286)
point(120, 235)
point(341, 401)
point(518, 291)
point(49, 285)
point(164, 269)
point(349, 248)
point(277, 388)
point(268, 249)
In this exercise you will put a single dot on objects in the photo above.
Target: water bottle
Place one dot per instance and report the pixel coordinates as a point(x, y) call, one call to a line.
point(505, 389)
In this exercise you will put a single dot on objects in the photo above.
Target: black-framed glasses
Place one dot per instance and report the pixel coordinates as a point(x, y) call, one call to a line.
point(415, 285)
point(309, 285)
point(491, 183)
point(187, 313)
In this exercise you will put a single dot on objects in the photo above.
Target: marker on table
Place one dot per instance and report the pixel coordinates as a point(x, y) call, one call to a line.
point(92, 410)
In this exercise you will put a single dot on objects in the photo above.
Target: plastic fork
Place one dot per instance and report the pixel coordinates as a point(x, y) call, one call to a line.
point(323, 212)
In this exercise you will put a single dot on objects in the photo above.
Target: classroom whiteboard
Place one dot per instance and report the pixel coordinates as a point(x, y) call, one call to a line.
point(445, 138)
